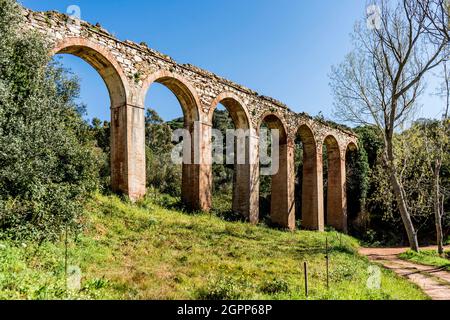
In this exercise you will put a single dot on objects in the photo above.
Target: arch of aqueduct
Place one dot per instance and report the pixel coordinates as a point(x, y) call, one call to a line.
point(128, 70)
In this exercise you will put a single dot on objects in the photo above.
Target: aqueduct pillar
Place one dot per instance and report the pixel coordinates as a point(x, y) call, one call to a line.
point(312, 188)
point(246, 180)
point(128, 150)
point(336, 195)
point(197, 175)
point(283, 201)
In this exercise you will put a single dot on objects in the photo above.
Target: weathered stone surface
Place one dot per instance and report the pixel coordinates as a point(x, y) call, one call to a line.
point(129, 69)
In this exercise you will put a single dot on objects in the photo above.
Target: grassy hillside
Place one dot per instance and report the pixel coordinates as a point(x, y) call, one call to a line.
point(145, 251)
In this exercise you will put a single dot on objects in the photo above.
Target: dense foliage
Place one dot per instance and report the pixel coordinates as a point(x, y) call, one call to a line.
point(158, 137)
point(379, 220)
point(162, 173)
point(47, 161)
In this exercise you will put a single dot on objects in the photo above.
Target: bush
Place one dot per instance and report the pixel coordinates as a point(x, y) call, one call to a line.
point(275, 286)
point(101, 133)
point(225, 288)
point(47, 159)
point(163, 174)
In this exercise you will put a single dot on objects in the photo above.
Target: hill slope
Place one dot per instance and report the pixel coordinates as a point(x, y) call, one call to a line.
point(145, 251)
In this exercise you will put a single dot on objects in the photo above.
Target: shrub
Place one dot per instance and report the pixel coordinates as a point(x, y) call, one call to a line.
point(163, 174)
point(47, 159)
point(275, 286)
point(225, 288)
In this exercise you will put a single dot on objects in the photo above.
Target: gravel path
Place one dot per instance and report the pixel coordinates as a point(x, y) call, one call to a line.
point(435, 282)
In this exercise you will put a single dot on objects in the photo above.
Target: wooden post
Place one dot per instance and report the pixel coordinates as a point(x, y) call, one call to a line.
point(305, 265)
point(327, 262)
point(65, 256)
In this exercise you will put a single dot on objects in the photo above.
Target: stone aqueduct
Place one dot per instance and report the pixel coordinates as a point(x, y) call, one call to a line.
point(129, 69)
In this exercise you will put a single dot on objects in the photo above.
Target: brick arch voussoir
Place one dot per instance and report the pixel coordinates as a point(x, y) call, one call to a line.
point(230, 95)
point(60, 46)
point(308, 137)
point(333, 145)
point(310, 130)
point(281, 121)
point(351, 146)
point(164, 74)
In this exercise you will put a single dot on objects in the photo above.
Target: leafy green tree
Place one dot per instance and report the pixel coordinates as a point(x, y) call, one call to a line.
point(162, 173)
point(223, 173)
point(439, 148)
point(47, 161)
point(357, 169)
point(417, 148)
point(100, 132)
point(433, 149)
point(360, 164)
point(166, 176)
point(298, 165)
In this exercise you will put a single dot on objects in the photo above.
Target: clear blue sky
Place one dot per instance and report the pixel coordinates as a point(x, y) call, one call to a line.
point(280, 48)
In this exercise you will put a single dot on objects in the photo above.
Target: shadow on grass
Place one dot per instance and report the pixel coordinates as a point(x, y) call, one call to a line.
point(322, 250)
point(229, 215)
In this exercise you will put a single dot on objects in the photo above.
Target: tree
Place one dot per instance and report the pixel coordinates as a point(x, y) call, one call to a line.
point(437, 12)
point(157, 133)
point(101, 134)
point(222, 172)
point(437, 144)
point(357, 182)
point(380, 80)
point(47, 162)
point(161, 172)
point(414, 159)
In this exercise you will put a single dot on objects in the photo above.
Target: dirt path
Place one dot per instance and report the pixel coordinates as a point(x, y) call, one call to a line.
point(434, 281)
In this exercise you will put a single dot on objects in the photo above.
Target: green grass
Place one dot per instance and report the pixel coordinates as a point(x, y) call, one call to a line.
point(428, 257)
point(144, 251)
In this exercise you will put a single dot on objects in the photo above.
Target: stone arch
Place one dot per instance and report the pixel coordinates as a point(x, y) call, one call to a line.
point(235, 107)
point(282, 206)
point(274, 121)
point(312, 184)
point(196, 182)
point(126, 169)
point(308, 139)
point(336, 202)
point(102, 61)
point(181, 88)
point(351, 146)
